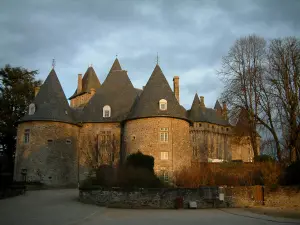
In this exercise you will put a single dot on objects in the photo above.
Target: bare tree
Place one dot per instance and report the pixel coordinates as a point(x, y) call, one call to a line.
point(241, 72)
point(247, 87)
point(104, 151)
point(284, 77)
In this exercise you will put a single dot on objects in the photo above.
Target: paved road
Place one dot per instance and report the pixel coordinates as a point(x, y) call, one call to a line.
point(60, 207)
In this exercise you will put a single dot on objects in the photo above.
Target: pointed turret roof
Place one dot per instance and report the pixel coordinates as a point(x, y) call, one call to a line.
point(116, 91)
point(199, 113)
point(218, 106)
point(157, 88)
point(195, 112)
point(51, 103)
point(89, 80)
point(116, 66)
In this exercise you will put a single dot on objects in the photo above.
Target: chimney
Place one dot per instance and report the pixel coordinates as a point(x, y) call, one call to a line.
point(79, 85)
point(224, 110)
point(36, 91)
point(176, 87)
point(202, 101)
point(93, 91)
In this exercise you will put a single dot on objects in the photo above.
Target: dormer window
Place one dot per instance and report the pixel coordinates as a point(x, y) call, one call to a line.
point(31, 109)
point(106, 111)
point(163, 104)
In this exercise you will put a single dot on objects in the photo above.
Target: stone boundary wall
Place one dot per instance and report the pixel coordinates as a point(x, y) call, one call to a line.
point(206, 197)
point(152, 198)
point(282, 196)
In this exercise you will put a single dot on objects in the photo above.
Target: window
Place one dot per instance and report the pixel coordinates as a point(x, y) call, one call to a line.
point(105, 137)
point(164, 134)
point(26, 136)
point(195, 151)
point(106, 111)
point(164, 175)
point(163, 104)
point(68, 141)
point(50, 141)
point(164, 155)
point(31, 109)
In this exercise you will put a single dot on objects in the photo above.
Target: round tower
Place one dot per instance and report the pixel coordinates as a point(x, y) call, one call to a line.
point(158, 126)
point(46, 147)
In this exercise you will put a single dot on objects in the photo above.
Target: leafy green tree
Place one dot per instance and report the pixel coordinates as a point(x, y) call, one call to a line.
point(16, 93)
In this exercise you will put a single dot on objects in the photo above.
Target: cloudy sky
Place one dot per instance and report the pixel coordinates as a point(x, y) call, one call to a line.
point(190, 37)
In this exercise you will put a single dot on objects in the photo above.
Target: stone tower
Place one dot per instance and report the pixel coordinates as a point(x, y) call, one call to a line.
point(47, 138)
point(158, 126)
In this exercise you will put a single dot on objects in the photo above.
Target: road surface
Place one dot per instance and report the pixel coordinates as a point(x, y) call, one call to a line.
point(60, 207)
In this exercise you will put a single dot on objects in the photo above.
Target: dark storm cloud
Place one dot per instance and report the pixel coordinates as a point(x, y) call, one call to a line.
point(190, 37)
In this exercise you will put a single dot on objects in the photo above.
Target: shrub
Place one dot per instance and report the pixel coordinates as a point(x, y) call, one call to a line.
point(263, 158)
point(230, 174)
point(139, 160)
point(291, 176)
point(138, 171)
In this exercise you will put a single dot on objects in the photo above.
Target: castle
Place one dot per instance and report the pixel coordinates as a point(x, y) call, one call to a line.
point(58, 143)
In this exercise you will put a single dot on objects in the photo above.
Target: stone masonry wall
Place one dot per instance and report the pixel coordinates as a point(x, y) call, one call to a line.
point(210, 141)
point(95, 151)
point(284, 197)
point(206, 197)
point(150, 198)
point(241, 148)
point(144, 135)
point(50, 156)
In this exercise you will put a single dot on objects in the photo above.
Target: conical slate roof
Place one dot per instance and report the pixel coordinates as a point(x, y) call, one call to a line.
point(116, 91)
point(203, 114)
point(89, 80)
point(51, 103)
point(218, 106)
point(116, 66)
point(157, 88)
point(195, 112)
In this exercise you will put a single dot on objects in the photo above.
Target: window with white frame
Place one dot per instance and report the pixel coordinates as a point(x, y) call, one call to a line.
point(163, 104)
point(164, 134)
point(106, 111)
point(164, 155)
point(31, 110)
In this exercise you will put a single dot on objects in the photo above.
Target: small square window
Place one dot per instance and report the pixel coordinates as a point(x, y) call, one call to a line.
point(68, 142)
point(49, 141)
point(164, 155)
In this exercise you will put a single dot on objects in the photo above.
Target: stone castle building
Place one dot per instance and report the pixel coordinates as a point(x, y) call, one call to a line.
point(58, 143)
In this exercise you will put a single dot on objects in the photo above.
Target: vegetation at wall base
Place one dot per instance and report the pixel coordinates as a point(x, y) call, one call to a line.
point(137, 172)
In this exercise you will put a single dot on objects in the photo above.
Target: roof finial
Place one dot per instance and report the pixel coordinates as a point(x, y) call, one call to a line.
point(157, 59)
point(53, 63)
point(116, 55)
